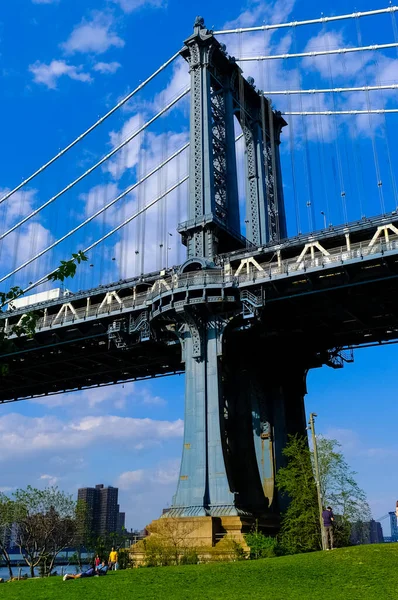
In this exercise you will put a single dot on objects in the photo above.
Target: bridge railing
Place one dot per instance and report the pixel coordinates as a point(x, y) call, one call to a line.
point(340, 255)
point(201, 279)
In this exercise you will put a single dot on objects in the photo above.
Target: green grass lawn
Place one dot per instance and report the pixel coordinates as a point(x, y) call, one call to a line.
point(360, 573)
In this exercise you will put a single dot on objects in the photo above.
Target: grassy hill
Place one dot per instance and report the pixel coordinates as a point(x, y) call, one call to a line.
point(360, 573)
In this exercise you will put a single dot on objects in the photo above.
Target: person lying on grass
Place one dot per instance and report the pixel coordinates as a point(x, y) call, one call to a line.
point(91, 572)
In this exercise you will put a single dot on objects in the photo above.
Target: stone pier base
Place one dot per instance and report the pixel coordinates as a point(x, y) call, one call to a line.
point(213, 538)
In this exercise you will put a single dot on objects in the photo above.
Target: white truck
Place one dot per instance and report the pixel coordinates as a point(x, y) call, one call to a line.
point(24, 301)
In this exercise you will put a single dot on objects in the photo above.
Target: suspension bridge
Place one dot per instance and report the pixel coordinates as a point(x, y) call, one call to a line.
point(241, 228)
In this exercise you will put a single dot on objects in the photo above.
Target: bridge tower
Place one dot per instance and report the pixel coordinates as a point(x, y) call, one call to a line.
point(241, 399)
point(219, 93)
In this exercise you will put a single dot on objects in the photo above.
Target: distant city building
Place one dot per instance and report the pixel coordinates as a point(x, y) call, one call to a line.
point(8, 535)
point(369, 532)
point(121, 521)
point(394, 526)
point(103, 514)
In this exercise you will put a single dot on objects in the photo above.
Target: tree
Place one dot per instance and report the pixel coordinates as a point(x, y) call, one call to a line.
point(340, 490)
point(300, 529)
point(262, 546)
point(7, 518)
point(168, 541)
point(46, 525)
point(27, 325)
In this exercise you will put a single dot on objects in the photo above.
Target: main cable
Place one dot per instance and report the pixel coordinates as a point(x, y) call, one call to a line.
point(104, 208)
point(319, 52)
point(114, 230)
point(364, 88)
point(93, 216)
point(94, 167)
point(390, 9)
point(90, 129)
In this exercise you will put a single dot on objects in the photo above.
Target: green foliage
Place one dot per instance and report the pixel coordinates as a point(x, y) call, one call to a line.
point(262, 546)
point(189, 557)
point(364, 572)
point(68, 268)
point(340, 490)
point(47, 523)
point(124, 559)
point(158, 552)
point(300, 524)
point(300, 531)
point(7, 297)
point(27, 325)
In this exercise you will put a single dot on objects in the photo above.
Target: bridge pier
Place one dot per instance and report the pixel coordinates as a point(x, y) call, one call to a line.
point(241, 403)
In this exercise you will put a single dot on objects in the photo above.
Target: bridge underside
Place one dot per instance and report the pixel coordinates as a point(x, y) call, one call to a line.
point(245, 340)
point(348, 307)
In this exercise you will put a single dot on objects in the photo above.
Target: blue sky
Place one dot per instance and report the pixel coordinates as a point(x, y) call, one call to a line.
point(63, 63)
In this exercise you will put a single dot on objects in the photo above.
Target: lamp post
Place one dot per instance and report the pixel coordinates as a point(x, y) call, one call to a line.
point(317, 476)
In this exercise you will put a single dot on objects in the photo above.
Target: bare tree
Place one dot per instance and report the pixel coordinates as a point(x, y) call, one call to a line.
point(172, 535)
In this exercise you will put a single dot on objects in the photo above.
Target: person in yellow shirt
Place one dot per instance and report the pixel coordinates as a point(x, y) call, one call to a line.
point(113, 558)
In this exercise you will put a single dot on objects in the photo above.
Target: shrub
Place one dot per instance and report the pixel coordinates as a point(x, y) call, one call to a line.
point(262, 546)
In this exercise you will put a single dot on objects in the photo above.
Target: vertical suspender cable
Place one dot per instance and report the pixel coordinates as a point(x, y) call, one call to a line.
point(293, 167)
point(358, 168)
point(307, 168)
point(292, 154)
point(321, 155)
point(372, 134)
point(338, 156)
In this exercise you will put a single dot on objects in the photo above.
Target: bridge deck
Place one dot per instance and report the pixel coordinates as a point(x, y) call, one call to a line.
point(325, 291)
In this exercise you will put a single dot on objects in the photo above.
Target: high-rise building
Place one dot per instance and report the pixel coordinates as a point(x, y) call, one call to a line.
point(103, 515)
point(121, 521)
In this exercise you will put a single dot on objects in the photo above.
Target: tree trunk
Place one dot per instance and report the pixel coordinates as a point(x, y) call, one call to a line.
point(10, 569)
point(32, 570)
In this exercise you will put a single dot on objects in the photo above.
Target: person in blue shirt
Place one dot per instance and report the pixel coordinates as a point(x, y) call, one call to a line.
point(91, 572)
point(328, 519)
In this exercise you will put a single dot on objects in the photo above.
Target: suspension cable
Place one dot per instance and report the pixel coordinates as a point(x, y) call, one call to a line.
point(90, 129)
point(372, 133)
point(374, 111)
point(364, 88)
point(98, 164)
point(104, 208)
point(319, 52)
point(114, 230)
point(390, 9)
point(96, 214)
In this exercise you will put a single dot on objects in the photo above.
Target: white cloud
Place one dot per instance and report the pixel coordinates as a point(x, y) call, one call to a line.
point(38, 436)
point(25, 241)
point(165, 473)
point(50, 480)
point(346, 65)
point(144, 493)
point(128, 479)
point(128, 6)
point(115, 396)
point(107, 68)
point(49, 74)
point(96, 36)
point(354, 446)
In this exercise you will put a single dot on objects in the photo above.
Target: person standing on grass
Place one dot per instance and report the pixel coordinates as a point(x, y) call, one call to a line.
point(113, 558)
point(328, 519)
point(97, 561)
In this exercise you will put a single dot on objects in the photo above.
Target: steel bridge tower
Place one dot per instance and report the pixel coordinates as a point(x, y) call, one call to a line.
point(242, 398)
